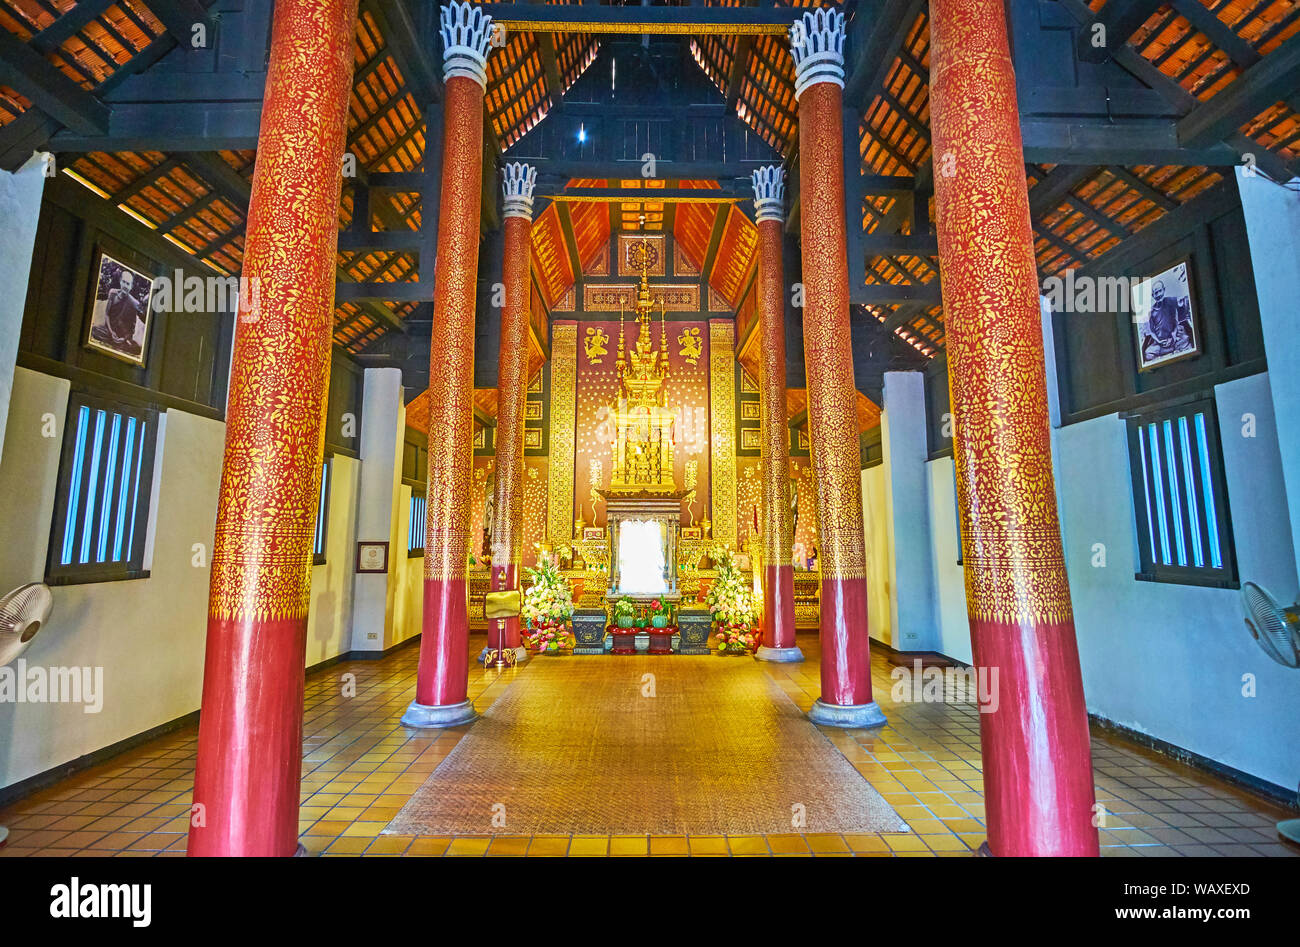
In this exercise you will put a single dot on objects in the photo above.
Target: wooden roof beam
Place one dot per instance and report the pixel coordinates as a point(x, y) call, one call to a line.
point(180, 17)
point(1118, 20)
point(36, 78)
point(1272, 79)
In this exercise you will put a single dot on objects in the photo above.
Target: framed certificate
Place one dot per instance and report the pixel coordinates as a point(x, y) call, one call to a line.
point(372, 557)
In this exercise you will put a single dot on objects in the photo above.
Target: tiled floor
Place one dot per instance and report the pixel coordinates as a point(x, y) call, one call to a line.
point(360, 766)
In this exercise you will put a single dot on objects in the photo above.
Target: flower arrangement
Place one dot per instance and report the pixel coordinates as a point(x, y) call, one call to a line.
point(737, 639)
point(547, 607)
point(732, 605)
point(624, 612)
point(550, 638)
point(661, 613)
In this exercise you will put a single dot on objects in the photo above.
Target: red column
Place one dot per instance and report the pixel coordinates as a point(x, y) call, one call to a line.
point(817, 42)
point(512, 387)
point(1038, 788)
point(442, 682)
point(778, 574)
point(246, 782)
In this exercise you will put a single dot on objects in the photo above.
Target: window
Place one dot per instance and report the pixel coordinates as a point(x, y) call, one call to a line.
point(101, 512)
point(322, 515)
point(416, 525)
point(1179, 497)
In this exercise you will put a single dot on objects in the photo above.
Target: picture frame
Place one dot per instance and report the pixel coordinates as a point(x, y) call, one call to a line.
point(372, 557)
point(121, 311)
point(1164, 317)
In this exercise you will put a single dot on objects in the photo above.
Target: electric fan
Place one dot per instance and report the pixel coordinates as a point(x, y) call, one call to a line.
point(1276, 628)
point(22, 613)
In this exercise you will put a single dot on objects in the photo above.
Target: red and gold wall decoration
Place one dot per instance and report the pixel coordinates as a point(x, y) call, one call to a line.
point(535, 497)
point(688, 394)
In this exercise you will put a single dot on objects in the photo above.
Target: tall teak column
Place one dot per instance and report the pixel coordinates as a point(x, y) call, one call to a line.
point(778, 574)
point(817, 42)
point(442, 682)
point(250, 733)
point(512, 387)
point(1038, 789)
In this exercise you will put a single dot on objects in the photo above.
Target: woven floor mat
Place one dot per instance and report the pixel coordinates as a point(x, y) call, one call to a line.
point(644, 745)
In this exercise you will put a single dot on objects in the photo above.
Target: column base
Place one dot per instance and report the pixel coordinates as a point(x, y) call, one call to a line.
point(422, 716)
point(850, 716)
point(779, 655)
point(521, 654)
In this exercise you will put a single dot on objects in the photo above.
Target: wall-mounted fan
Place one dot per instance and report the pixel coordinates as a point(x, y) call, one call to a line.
point(22, 613)
point(1276, 629)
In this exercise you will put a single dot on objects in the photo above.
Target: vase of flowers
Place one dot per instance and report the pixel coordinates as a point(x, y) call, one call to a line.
point(547, 608)
point(732, 605)
point(660, 613)
point(624, 612)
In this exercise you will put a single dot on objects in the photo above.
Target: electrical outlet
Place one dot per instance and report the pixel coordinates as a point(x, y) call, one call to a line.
point(373, 635)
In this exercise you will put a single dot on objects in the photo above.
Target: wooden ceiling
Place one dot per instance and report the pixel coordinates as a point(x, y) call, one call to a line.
point(61, 60)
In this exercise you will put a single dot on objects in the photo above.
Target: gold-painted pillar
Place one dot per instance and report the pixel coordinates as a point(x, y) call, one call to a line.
point(249, 765)
point(1038, 783)
point(817, 42)
point(778, 572)
point(512, 389)
point(442, 681)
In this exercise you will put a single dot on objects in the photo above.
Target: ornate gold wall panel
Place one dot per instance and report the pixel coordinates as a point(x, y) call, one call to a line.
point(564, 396)
point(605, 297)
point(722, 422)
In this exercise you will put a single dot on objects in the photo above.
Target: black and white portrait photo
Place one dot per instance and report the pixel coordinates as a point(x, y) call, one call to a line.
point(1163, 322)
point(120, 311)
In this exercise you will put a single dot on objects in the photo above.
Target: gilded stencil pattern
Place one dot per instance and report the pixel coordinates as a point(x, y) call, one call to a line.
point(451, 358)
point(828, 352)
point(607, 297)
point(564, 410)
point(1011, 544)
point(775, 444)
point(270, 482)
point(722, 411)
point(535, 489)
point(512, 383)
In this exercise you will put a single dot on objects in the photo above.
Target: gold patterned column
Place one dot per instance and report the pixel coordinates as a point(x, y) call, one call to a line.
point(778, 573)
point(564, 412)
point(722, 428)
point(246, 785)
point(1038, 782)
point(512, 390)
point(817, 42)
point(442, 681)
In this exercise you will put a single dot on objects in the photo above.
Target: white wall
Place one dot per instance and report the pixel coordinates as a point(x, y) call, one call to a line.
point(1162, 659)
point(329, 624)
point(1272, 214)
point(147, 634)
point(407, 578)
point(20, 209)
point(1169, 660)
point(953, 624)
point(875, 521)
